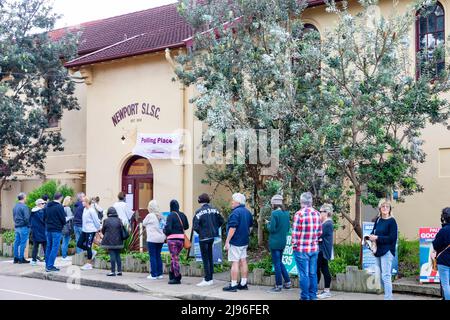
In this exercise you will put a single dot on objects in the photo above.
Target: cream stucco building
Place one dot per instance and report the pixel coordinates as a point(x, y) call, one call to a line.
point(127, 62)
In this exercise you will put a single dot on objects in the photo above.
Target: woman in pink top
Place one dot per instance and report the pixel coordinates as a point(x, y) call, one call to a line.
point(176, 223)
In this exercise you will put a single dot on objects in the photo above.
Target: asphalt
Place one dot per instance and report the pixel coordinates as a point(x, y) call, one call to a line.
point(138, 284)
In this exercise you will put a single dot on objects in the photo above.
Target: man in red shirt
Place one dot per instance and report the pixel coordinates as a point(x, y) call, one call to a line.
point(306, 231)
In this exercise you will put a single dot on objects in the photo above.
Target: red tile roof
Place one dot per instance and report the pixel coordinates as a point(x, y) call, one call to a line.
point(131, 34)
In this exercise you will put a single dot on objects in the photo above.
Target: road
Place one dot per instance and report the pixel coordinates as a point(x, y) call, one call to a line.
point(15, 288)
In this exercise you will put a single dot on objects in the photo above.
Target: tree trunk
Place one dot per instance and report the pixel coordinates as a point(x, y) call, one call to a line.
point(357, 222)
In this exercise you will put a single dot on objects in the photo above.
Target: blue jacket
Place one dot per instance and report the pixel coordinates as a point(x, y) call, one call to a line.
point(441, 242)
point(21, 215)
point(326, 240)
point(37, 225)
point(241, 219)
point(54, 217)
point(78, 214)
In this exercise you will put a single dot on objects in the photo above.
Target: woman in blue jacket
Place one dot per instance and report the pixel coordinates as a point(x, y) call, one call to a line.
point(441, 245)
point(37, 229)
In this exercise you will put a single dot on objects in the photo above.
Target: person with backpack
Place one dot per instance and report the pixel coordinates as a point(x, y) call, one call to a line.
point(113, 240)
point(55, 219)
point(37, 230)
point(279, 226)
point(154, 225)
point(176, 223)
point(441, 246)
point(207, 222)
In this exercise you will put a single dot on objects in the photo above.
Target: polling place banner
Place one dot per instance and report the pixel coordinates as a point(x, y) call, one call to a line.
point(158, 146)
point(428, 266)
point(368, 258)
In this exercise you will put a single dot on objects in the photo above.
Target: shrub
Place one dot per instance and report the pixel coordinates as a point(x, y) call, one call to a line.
point(8, 237)
point(265, 263)
point(344, 255)
point(141, 256)
point(49, 188)
point(408, 258)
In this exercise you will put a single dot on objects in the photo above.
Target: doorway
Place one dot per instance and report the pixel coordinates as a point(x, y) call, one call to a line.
point(137, 184)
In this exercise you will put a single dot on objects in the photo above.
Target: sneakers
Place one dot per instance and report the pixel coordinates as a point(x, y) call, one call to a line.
point(40, 259)
point(287, 286)
point(111, 274)
point(23, 261)
point(324, 295)
point(150, 277)
point(87, 266)
point(119, 274)
point(16, 260)
point(67, 258)
point(160, 277)
point(175, 281)
point(33, 263)
point(52, 269)
point(231, 288)
point(240, 287)
point(275, 290)
point(205, 283)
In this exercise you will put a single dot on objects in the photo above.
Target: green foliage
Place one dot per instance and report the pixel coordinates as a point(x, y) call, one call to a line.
point(38, 86)
point(49, 188)
point(131, 243)
point(344, 255)
point(8, 237)
point(141, 256)
point(408, 258)
point(265, 263)
point(72, 243)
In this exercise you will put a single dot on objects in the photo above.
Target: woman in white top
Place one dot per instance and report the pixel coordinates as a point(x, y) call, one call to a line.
point(154, 225)
point(91, 225)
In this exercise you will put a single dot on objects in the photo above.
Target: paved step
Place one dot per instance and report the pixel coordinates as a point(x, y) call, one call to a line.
point(413, 286)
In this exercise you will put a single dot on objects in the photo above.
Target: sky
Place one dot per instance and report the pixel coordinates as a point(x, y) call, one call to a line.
point(78, 11)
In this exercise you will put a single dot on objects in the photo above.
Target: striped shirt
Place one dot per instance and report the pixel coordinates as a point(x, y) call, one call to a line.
point(306, 230)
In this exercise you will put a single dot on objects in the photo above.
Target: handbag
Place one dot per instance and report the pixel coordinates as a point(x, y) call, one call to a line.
point(371, 245)
point(187, 242)
point(124, 233)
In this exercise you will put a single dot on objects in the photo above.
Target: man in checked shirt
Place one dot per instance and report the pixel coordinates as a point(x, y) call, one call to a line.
point(306, 231)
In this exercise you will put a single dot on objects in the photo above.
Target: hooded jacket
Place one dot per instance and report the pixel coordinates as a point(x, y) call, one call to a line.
point(37, 225)
point(174, 229)
point(54, 217)
point(153, 224)
point(112, 231)
point(207, 222)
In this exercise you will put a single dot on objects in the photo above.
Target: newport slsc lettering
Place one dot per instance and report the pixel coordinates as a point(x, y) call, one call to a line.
point(133, 109)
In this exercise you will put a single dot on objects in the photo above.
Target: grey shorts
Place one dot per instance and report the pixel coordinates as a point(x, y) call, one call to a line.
point(237, 253)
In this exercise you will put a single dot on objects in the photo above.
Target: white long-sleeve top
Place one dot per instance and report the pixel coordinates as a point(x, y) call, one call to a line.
point(124, 212)
point(91, 223)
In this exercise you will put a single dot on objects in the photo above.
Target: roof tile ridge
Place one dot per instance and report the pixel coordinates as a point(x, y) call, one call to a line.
point(107, 47)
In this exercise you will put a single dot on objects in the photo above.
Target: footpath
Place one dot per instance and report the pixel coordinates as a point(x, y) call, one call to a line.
point(137, 282)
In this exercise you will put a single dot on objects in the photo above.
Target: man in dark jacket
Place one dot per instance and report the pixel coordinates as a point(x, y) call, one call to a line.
point(38, 229)
point(441, 246)
point(207, 222)
point(239, 227)
point(78, 218)
point(55, 219)
point(21, 215)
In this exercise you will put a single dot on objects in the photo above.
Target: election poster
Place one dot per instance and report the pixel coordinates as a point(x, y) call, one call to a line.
point(288, 256)
point(217, 248)
point(368, 258)
point(162, 224)
point(428, 266)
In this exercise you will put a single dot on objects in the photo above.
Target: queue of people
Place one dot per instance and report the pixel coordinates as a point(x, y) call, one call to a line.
point(312, 238)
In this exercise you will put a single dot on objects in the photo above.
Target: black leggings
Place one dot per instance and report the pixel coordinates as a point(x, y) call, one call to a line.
point(322, 267)
point(34, 253)
point(89, 241)
point(114, 254)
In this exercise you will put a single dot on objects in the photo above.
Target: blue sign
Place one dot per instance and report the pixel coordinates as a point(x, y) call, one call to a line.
point(162, 224)
point(368, 259)
point(217, 248)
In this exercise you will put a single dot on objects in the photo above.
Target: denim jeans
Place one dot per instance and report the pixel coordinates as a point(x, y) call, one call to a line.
point(444, 275)
point(77, 230)
point(20, 242)
point(53, 241)
point(206, 250)
point(114, 254)
point(156, 265)
point(384, 267)
point(65, 245)
point(307, 272)
point(280, 270)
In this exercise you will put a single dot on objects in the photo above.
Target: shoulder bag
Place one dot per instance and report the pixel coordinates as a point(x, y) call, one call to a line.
point(187, 242)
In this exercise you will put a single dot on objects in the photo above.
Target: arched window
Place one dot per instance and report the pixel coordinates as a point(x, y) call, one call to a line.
point(430, 34)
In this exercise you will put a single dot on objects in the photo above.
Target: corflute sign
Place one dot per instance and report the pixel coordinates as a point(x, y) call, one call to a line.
point(428, 266)
point(135, 109)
